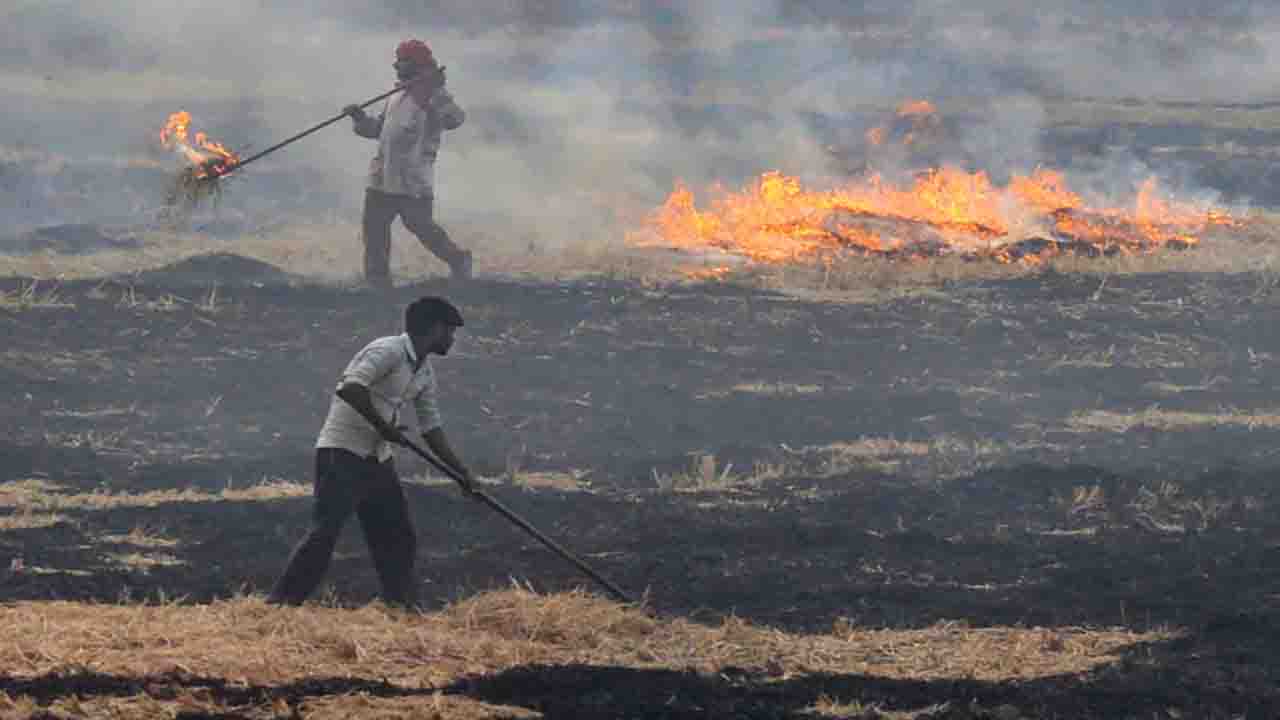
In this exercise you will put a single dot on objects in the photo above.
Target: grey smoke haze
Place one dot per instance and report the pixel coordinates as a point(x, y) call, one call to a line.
point(580, 107)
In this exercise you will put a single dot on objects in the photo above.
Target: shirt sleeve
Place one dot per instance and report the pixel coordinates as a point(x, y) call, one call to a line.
point(370, 365)
point(425, 405)
point(447, 109)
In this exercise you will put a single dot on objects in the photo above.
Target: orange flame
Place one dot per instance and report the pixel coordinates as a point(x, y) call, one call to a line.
point(210, 158)
point(946, 210)
point(912, 108)
point(913, 118)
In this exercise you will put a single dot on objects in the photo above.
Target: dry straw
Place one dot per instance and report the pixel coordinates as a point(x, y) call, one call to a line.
point(193, 186)
point(243, 656)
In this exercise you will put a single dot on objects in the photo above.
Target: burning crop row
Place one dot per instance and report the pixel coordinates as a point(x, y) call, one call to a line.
point(944, 211)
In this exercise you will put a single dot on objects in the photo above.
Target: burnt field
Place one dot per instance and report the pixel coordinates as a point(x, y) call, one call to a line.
point(1054, 455)
point(904, 361)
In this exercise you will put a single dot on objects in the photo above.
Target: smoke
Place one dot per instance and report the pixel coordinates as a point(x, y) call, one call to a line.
point(580, 111)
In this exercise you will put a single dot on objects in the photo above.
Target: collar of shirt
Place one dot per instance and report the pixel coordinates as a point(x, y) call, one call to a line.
point(409, 353)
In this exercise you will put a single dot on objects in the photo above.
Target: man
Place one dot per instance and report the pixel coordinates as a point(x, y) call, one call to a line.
point(354, 467)
point(401, 175)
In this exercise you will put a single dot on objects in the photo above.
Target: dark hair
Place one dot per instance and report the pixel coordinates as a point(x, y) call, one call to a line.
point(425, 312)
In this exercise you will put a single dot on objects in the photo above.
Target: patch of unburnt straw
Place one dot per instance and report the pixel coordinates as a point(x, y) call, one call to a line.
point(33, 295)
point(243, 656)
point(1155, 418)
point(26, 519)
point(36, 496)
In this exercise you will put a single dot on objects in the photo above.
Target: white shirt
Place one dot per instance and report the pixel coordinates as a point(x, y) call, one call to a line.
point(408, 135)
point(385, 366)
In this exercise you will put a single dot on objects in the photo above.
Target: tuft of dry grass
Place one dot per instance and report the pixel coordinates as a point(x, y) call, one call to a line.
point(1155, 418)
point(946, 456)
point(37, 495)
point(31, 296)
point(704, 475)
point(144, 561)
point(26, 519)
point(142, 537)
point(778, 388)
point(1167, 507)
point(568, 481)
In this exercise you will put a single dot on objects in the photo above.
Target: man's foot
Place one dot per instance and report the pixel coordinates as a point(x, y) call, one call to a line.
point(461, 268)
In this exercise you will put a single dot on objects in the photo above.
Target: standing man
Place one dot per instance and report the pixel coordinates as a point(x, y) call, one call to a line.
point(354, 466)
point(401, 175)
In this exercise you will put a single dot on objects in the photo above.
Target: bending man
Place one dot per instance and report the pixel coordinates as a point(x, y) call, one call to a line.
point(355, 472)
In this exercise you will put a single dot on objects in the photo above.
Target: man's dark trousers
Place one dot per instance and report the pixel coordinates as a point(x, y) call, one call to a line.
point(417, 213)
point(345, 483)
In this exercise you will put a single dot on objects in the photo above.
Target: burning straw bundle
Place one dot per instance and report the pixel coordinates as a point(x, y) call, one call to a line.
point(194, 185)
point(210, 161)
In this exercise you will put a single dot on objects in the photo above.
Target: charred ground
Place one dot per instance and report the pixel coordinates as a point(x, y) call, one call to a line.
point(1047, 450)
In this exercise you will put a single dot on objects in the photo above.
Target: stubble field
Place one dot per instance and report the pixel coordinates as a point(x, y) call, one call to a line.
point(948, 492)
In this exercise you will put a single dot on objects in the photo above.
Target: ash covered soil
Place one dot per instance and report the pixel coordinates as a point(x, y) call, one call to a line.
point(1052, 450)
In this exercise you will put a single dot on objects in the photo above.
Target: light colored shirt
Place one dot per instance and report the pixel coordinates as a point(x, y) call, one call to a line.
point(408, 134)
point(385, 366)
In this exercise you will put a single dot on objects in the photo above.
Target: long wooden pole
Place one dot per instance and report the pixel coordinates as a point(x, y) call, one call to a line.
point(520, 522)
point(307, 132)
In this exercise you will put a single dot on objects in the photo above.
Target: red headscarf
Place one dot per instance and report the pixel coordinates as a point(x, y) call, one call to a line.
point(415, 51)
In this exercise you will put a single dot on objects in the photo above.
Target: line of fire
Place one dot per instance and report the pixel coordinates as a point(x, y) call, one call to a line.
point(942, 210)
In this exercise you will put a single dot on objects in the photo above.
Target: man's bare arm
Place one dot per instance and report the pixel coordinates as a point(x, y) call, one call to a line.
point(439, 444)
point(357, 396)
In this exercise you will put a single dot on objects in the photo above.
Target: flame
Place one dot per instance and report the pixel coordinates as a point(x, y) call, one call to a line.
point(1033, 216)
point(211, 159)
point(1045, 191)
point(912, 120)
point(945, 210)
point(912, 108)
